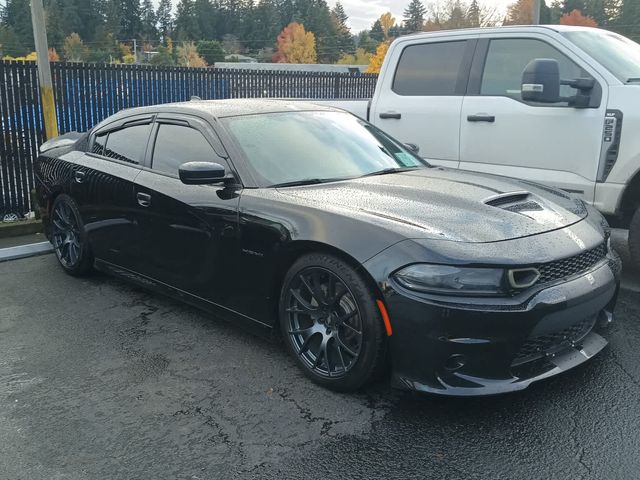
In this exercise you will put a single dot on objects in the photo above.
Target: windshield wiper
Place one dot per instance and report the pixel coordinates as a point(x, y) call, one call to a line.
point(388, 170)
point(633, 79)
point(306, 181)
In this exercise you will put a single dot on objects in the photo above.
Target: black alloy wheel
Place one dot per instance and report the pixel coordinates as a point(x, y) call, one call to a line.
point(330, 322)
point(69, 238)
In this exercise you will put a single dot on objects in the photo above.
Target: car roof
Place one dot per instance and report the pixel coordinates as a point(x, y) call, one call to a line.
point(226, 108)
point(490, 30)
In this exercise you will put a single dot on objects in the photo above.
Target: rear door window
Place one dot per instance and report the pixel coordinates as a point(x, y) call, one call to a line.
point(177, 144)
point(99, 143)
point(128, 144)
point(429, 69)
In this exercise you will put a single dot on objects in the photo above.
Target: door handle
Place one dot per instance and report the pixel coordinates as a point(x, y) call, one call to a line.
point(144, 199)
point(388, 115)
point(481, 118)
point(79, 176)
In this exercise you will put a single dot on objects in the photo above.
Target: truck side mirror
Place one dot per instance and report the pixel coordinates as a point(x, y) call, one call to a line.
point(541, 81)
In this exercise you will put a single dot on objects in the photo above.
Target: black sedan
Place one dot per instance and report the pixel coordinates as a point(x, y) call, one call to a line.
point(305, 220)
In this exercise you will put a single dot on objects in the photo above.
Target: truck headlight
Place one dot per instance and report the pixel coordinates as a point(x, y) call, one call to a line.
point(449, 280)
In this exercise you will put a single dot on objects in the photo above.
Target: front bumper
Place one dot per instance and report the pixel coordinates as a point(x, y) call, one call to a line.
point(492, 346)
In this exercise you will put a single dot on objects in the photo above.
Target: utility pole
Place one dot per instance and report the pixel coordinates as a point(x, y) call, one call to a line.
point(44, 70)
point(536, 11)
point(135, 50)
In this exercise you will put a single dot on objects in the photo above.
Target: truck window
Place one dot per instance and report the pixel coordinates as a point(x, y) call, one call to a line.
point(429, 69)
point(507, 58)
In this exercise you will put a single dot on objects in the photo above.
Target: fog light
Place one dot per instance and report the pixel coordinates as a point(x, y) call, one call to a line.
point(455, 362)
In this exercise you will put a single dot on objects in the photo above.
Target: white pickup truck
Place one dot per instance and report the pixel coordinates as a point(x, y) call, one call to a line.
point(551, 104)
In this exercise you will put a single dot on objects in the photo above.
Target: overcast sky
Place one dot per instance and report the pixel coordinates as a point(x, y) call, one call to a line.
point(362, 13)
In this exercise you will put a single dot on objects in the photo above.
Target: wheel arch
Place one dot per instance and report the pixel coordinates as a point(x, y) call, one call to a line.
point(295, 250)
point(630, 198)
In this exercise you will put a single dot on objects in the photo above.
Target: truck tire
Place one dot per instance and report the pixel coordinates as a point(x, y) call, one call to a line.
point(634, 239)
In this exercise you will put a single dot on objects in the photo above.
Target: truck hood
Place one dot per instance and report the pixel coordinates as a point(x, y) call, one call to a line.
point(449, 204)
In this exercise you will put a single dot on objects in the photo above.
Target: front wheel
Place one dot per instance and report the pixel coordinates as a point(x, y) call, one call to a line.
point(634, 239)
point(69, 237)
point(330, 322)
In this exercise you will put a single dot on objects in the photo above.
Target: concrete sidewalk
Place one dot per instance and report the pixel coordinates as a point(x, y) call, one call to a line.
point(12, 248)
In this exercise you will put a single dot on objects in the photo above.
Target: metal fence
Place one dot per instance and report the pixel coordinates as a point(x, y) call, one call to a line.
point(87, 93)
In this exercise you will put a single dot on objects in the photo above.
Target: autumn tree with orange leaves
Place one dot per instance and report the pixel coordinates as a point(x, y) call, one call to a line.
point(295, 45)
point(576, 18)
point(376, 61)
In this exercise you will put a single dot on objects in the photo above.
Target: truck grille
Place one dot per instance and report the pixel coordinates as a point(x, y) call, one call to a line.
point(567, 267)
point(536, 347)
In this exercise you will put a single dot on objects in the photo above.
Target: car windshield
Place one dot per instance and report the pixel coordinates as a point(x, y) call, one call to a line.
point(616, 53)
point(316, 146)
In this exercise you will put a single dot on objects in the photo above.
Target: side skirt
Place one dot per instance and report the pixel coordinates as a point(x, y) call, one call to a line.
point(247, 323)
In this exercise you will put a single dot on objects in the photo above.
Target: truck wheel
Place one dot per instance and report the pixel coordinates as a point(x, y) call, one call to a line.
point(634, 238)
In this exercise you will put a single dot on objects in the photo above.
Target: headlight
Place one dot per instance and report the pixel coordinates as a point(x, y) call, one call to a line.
point(445, 279)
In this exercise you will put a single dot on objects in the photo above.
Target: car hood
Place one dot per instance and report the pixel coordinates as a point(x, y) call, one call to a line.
point(449, 204)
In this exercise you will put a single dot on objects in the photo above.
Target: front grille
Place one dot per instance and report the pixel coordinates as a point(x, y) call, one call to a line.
point(536, 347)
point(567, 267)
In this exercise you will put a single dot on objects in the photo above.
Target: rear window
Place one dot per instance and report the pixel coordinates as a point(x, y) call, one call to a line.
point(429, 69)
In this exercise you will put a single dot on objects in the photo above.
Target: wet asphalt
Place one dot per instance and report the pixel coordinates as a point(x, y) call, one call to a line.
point(101, 380)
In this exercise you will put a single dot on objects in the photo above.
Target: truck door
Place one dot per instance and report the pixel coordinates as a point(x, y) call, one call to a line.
point(556, 144)
point(419, 102)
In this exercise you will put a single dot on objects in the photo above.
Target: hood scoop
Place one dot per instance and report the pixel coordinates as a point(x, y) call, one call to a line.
point(517, 202)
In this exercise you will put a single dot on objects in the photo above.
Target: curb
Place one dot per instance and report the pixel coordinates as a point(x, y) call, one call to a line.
point(24, 251)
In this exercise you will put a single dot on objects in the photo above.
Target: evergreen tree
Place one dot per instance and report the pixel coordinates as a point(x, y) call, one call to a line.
point(211, 51)
point(414, 16)
point(457, 16)
point(130, 22)
point(376, 31)
point(316, 18)
point(555, 12)
point(206, 15)
point(148, 19)
point(367, 43)
point(186, 23)
point(16, 16)
point(473, 14)
point(10, 44)
point(265, 25)
point(345, 43)
point(56, 25)
point(629, 19)
point(164, 19)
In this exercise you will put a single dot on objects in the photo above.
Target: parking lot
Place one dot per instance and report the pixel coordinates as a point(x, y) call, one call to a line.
point(99, 379)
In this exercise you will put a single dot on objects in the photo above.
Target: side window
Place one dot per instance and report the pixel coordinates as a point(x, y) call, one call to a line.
point(127, 144)
point(99, 141)
point(429, 69)
point(507, 59)
point(176, 144)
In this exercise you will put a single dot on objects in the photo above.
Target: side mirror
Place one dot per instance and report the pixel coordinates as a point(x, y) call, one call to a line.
point(412, 147)
point(201, 173)
point(541, 81)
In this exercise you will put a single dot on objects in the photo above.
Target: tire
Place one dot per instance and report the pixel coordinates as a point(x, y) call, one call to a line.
point(69, 237)
point(324, 304)
point(634, 239)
